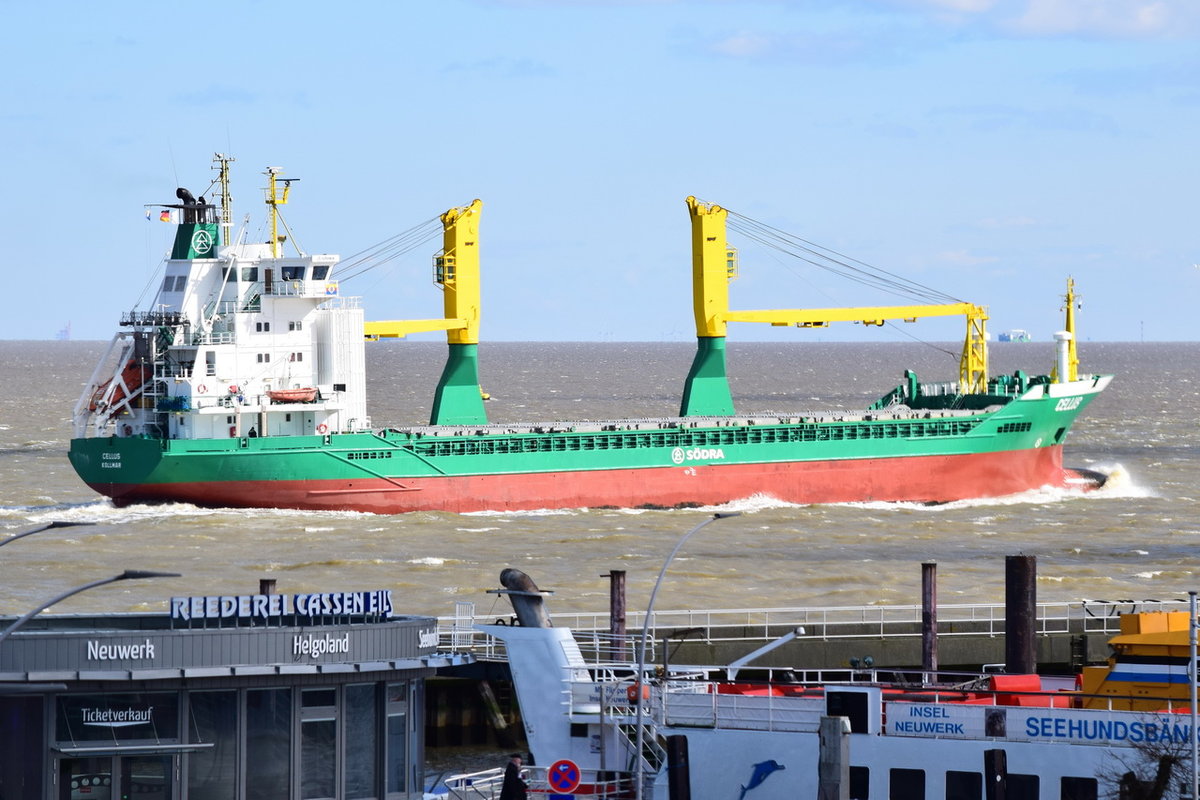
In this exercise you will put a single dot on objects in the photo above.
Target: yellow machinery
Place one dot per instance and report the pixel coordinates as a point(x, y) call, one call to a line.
point(714, 265)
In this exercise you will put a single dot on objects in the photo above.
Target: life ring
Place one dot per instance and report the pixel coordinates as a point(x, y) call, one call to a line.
point(633, 691)
point(201, 389)
point(233, 388)
point(322, 428)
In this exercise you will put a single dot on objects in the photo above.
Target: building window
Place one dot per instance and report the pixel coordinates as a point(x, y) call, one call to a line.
point(907, 784)
point(362, 741)
point(1079, 789)
point(268, 743)
point(397, 738)
point(212, 771)
point(318, 743)
point(965, 786)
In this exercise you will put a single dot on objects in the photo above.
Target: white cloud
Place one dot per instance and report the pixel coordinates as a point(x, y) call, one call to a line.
point(742, 45)
point(1134, 18)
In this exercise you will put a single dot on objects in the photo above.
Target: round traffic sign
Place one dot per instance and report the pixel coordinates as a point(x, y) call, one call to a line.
point(563, 775)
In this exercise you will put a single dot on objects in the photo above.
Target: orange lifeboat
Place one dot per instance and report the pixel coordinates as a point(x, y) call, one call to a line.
point(133, 375)
point(306, 395)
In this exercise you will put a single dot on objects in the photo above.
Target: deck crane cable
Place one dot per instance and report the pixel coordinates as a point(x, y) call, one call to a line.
point(835, 262)
point(893, 284)
point(390, 249)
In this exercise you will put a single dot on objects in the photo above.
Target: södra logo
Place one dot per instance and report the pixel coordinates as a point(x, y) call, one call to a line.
point(679, 455)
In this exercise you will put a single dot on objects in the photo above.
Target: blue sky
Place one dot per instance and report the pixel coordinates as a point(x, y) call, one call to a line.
point(986, 148)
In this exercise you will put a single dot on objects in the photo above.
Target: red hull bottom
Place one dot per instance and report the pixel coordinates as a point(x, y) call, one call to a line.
point(923, 479)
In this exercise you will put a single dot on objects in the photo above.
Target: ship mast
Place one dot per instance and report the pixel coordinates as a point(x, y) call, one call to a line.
point(223, 162)
point(274, 200)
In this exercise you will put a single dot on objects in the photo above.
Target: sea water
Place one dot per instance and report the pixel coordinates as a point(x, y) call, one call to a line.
point(1138, 538)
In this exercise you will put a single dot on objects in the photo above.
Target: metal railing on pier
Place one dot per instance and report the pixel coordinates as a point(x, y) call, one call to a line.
point(823, 623)
point(486, 785)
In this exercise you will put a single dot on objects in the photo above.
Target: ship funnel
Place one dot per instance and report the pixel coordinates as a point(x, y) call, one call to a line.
point(527, 600)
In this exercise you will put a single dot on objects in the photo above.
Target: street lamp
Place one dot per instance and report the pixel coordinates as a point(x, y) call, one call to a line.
point(639, 769)
point(49, 526)
point(127, 575)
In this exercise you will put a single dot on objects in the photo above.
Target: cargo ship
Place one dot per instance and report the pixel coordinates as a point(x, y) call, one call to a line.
point(244, 385)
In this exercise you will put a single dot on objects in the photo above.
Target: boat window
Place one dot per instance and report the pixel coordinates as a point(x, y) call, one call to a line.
point(1022, 787)
point(168, 283)
point(249, 274)
point(1079, 789)
point(860, 783)
point(292, 273)
point(906, 784)
point(965, 785)
point(262, 327)
point(319, 272)
point(231, 274)
point(848, 704)
point(295, 325)
point(180, 282)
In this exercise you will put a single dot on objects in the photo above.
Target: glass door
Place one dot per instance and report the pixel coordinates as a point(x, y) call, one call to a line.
point(85, 778)
point(145, 777)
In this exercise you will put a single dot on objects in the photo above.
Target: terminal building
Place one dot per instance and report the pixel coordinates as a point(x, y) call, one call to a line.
point(251, 697)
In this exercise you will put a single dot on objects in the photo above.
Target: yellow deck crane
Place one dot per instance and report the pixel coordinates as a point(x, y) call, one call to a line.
point(714, 264)
point(459, 400)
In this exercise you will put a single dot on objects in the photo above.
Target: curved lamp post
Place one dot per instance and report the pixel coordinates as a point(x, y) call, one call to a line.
point(127, 575)
point(55, 524)
point(639, 769)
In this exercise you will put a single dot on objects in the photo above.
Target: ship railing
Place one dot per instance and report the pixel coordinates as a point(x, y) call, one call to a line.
point(820, 623)
point(797, 704)
point(486, 784)
point(215, 337)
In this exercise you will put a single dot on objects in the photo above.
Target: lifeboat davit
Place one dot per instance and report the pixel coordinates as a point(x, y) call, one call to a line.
point(133, 375)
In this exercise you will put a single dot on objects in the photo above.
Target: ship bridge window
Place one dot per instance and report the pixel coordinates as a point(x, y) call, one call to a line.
point(292, 273)
point(907, 784)
point(180, 282)
point(320, 272)
point(249, 274)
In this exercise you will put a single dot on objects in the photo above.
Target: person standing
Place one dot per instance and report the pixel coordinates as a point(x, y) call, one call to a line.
point(514, 786)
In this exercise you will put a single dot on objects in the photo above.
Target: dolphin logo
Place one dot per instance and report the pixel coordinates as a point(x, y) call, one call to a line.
point(762, 771)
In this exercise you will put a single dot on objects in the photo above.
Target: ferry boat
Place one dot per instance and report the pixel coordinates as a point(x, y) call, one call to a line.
point(244, 385)
point(1122, 729)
